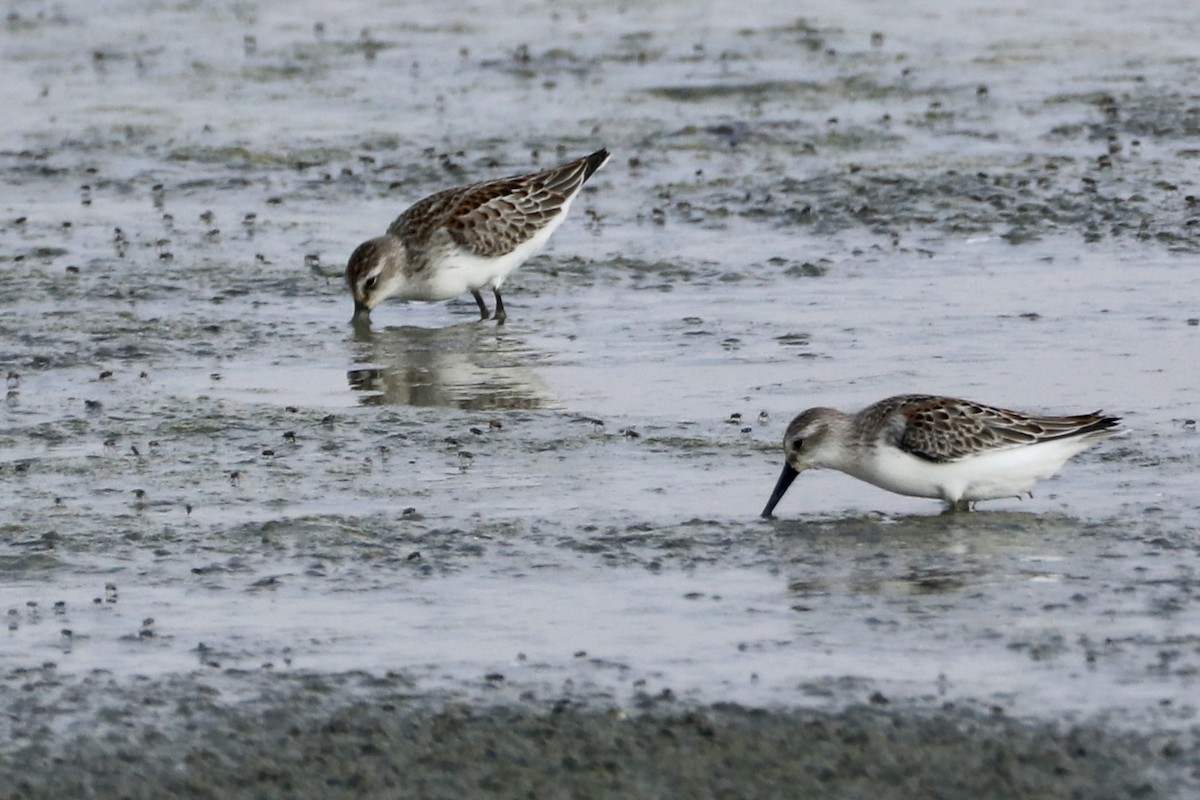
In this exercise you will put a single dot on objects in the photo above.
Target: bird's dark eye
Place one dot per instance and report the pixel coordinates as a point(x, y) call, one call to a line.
point(370, 282)
point(797, 443)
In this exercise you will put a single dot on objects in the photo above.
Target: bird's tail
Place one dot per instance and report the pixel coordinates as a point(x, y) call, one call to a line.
point(594, 162)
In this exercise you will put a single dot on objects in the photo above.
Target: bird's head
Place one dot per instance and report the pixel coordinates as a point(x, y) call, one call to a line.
point(375, 272)
point(803, 445)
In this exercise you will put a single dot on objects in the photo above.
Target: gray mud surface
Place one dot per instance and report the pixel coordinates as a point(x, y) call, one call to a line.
point(295, 742)
point(247, 550)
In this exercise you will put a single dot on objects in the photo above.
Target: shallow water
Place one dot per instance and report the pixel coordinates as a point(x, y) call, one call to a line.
point(997, 203)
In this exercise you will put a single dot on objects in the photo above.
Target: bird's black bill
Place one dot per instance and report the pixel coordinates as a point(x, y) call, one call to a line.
point(781, 486)
point(360, 323)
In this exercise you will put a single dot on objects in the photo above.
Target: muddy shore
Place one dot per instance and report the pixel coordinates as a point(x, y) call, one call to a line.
point(249, 551)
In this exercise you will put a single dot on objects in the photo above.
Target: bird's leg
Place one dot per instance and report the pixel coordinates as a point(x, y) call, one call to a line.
point(483, 309)
point(499, 316)
point(957, 506)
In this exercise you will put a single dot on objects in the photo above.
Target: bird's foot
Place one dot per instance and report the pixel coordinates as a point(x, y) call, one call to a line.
point(483, 309)
point(958, 506)
point(499, 316)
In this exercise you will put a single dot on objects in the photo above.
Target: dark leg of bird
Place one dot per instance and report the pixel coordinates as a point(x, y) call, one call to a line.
point(499, 316)
point(483, 309)
point(957, 507)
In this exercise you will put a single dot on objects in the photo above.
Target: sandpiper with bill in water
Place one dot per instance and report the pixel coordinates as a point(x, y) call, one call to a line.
point(939, 447)
point(466, 238)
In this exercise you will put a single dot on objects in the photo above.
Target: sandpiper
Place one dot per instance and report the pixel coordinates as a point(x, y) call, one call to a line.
point(940, 447)
point(466, 238)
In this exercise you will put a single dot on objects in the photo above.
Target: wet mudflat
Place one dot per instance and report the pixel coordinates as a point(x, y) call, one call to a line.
point(247, 550)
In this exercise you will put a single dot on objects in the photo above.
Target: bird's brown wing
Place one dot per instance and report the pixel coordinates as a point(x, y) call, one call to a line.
point(492, 219)
point(947, 429)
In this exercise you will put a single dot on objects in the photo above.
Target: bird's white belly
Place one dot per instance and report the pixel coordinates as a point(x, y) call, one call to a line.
point(899, 472)
point(461, 272)
point(985, 476)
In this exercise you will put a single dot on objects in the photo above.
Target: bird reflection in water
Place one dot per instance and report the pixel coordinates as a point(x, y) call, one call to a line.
point(466, 366)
